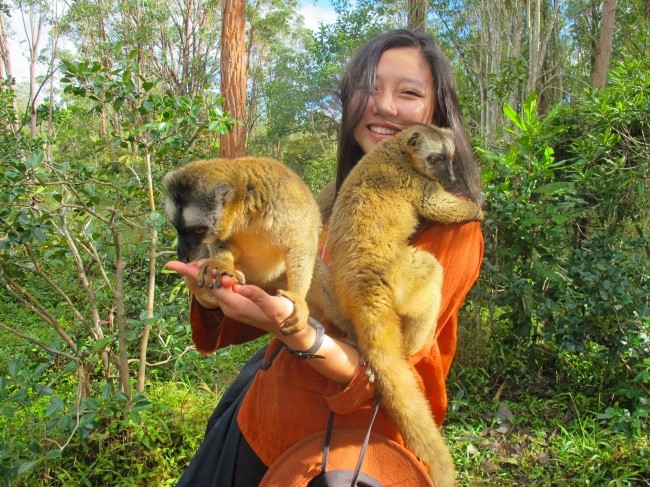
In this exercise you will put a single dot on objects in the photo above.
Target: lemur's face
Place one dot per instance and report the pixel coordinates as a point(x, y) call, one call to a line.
point(432, 151)
point(195, 208)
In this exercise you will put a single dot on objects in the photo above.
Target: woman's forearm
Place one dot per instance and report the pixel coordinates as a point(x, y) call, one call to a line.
point(252, 305)
point(340, 360)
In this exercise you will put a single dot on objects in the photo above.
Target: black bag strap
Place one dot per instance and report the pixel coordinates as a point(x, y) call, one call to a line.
point(364, 447)
point(266, 364)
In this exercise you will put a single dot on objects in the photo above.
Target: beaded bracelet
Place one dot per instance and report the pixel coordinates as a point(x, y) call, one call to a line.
point(318, 342)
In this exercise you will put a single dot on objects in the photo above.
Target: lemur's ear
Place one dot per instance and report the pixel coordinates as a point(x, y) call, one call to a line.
point(414, 138)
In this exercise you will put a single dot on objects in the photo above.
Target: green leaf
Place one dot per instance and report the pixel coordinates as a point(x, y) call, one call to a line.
point(43, 389)
point(39, 235)
point(35, 160)
point(71, 366)
point(102, 343)
point(142, 405)
point(513, 116)
point(53, 454)
point(14, 367)
point(107, 391)
point(56, 404)
point(8, 412)
point(39, 369)
point(90, 404)
point(26, 467)
point(87, 419)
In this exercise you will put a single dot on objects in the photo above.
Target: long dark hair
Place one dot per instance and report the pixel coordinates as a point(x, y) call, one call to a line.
point(359, 78)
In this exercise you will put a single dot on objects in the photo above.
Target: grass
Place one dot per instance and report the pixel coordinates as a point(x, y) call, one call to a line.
point(543, 446)
point(515, 418)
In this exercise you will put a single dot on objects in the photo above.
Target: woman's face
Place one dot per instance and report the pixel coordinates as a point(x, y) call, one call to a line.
point(403, 90)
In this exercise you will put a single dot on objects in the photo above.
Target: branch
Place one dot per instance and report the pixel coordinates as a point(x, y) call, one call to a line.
point(52, 284)
point(24, 296)
point(81, 274)
point(40, 344)
point(167, 360)
point(95, 256)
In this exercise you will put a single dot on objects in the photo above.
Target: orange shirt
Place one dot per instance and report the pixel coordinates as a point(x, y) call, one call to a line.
point(290, 400)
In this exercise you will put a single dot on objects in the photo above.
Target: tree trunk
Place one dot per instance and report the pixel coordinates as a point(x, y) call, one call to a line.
point(33, 34)
point(5, 55)
point(417, 15)
point(153, 254)
point(5, 65)
point(604, 45)
point(233, 75)
point(120, 318)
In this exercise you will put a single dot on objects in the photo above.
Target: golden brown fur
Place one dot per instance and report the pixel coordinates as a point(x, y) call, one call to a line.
point(387, 290)
point(253, 213)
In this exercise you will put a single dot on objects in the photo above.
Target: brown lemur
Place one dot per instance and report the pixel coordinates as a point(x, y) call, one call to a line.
point(387, 292)
point(253, 213)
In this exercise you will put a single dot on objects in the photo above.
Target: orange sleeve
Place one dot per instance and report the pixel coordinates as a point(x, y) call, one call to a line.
point(212, 330)
point(358, 393)
point(459, 249)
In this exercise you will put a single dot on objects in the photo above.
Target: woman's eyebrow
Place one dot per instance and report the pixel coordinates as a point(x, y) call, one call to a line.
point(416, 81)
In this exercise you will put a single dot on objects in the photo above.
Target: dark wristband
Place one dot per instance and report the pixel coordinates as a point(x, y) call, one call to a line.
point(318, 342)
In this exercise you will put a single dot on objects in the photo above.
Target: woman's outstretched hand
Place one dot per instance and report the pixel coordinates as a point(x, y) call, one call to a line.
point(252, 305)
point(245, 303)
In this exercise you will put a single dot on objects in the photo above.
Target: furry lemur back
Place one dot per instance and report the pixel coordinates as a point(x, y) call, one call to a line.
point(388, 292)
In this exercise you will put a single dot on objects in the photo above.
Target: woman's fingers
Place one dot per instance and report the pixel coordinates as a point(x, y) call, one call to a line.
point(276, 308)
point(248, 303)
point(187, 270)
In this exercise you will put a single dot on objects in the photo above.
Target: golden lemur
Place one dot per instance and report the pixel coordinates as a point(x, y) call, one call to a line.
point(388, 292)
point(251, 212)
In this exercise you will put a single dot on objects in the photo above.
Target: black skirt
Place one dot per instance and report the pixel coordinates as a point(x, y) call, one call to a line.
point(215, 461)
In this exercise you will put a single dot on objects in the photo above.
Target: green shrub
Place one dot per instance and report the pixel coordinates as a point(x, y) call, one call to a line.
point(567, 262)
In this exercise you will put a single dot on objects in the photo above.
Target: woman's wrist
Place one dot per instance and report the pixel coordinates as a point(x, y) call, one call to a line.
point(340, 363)
point(309, 353)
point(300, 341)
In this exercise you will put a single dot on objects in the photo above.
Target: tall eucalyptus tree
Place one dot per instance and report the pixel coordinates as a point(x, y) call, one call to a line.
point(233, 74)
point(604, 51)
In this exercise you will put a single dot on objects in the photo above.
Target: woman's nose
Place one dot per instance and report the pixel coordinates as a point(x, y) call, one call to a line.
point(385, 103)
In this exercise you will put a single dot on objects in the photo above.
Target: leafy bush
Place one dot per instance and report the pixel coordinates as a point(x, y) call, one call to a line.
point(54, 440)
point(567, 261)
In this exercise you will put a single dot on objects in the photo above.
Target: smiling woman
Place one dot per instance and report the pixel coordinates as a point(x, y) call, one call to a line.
point(396, 79)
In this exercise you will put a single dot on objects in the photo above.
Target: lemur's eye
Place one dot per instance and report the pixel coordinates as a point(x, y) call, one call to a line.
point(199, 230)
point(435, 158)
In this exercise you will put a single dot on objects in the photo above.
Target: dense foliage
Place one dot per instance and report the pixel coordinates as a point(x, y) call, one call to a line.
point(567, 247)
point(99, 383)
